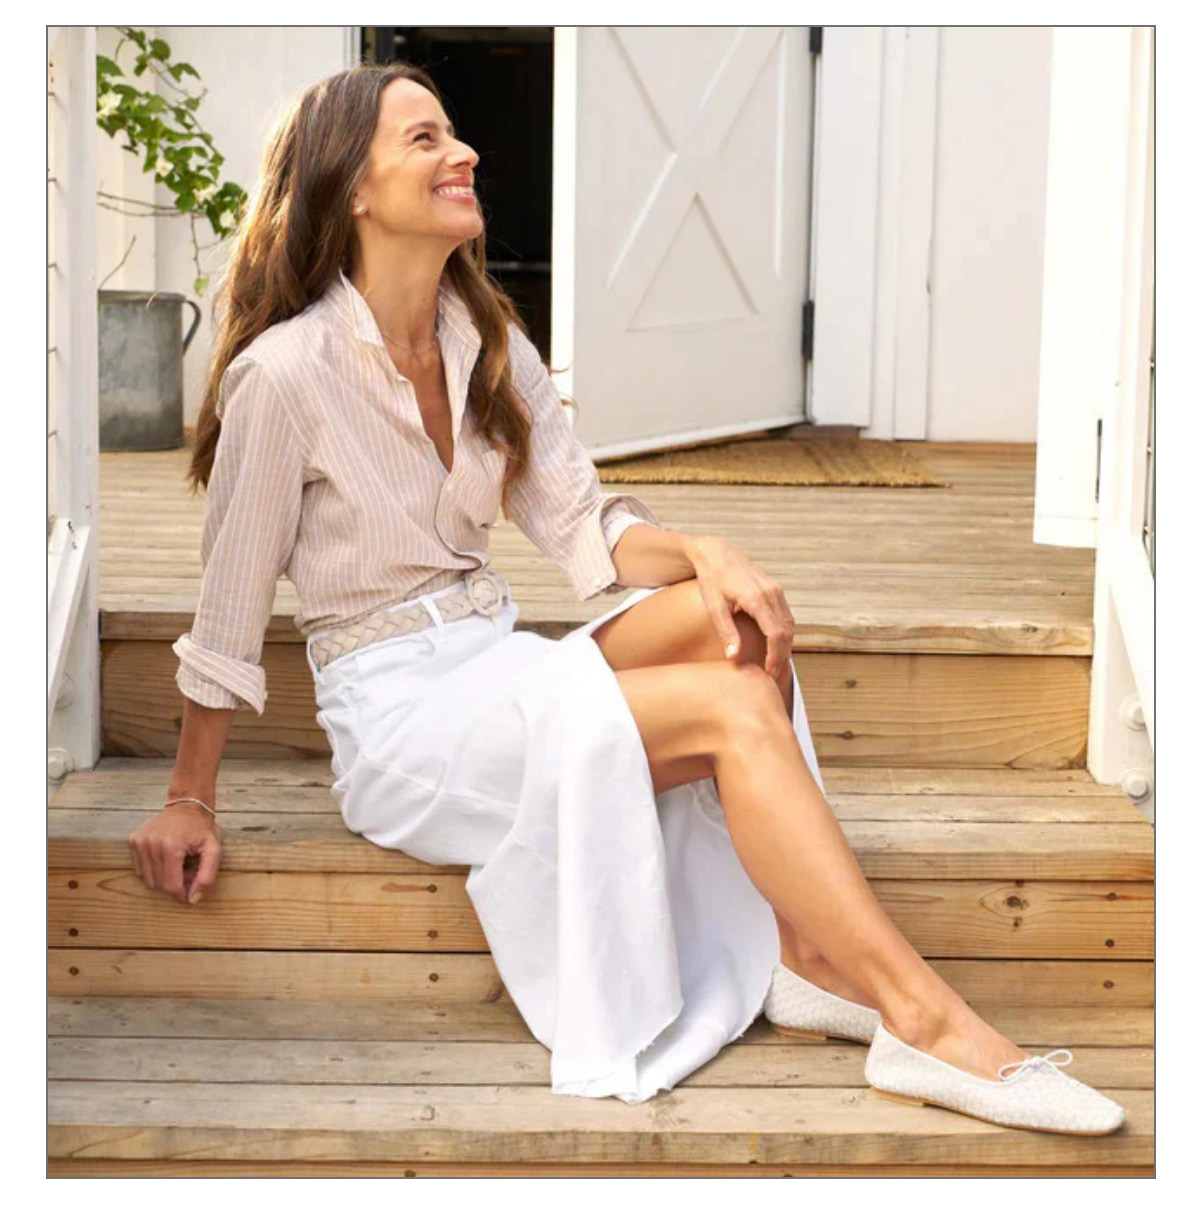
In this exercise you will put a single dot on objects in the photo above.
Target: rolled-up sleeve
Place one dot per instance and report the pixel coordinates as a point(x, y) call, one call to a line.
point(558, 503)
point(251, 519)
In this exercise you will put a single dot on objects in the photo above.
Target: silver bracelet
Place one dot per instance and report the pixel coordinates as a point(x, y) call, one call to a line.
point(192, 800)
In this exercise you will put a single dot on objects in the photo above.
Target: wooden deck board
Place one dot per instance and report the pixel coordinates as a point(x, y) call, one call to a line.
point(864, 568)
point(529, 1124)
point(451, 977)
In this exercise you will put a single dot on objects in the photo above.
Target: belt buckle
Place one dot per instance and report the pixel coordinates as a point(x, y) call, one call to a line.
point(485, 591)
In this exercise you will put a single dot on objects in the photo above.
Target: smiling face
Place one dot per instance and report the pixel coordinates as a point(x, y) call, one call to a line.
point(419, 178)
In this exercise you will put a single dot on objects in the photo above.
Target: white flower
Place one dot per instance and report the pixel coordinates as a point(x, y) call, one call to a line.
point(205, 193)
point(225, 220)
point(162, 165)
point(108, 104)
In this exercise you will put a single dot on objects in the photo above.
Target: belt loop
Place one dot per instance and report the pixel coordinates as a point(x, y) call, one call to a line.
point(312, 668)
point(436, 614)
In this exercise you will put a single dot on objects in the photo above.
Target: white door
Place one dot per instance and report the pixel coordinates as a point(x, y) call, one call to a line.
point(682, 161)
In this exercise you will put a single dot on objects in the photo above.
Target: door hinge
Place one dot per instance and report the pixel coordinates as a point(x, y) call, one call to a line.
point(1099, 438)
point(807, 329)
point(814, 39)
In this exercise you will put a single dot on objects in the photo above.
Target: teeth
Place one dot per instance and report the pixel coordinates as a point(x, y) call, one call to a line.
point(454, 190)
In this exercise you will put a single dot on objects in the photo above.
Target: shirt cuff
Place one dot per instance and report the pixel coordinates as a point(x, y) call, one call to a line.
point(616, 520)
point(594, 573)
point(215, 680)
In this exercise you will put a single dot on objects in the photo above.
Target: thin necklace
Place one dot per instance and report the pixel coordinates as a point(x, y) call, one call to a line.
point(404, 346)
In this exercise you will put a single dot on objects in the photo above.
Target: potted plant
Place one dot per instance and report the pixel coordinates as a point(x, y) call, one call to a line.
point(141, 348)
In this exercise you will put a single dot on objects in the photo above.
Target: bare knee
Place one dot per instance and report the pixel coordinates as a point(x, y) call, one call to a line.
point(751, 705)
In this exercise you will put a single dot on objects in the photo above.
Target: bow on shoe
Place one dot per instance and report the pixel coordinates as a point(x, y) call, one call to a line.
point(1034, 1060)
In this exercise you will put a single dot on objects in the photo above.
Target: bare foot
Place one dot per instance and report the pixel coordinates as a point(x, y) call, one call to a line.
point(964, 1040)
point(820, 973)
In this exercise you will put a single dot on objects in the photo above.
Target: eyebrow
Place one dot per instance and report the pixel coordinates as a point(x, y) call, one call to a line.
point(429, 123)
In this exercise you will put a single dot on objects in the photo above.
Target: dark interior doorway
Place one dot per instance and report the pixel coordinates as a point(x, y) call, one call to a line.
point(498, 85)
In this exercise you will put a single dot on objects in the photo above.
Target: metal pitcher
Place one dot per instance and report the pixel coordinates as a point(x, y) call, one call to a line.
point(141, 369)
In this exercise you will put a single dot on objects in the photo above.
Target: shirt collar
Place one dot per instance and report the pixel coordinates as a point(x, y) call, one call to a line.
point(454, 316)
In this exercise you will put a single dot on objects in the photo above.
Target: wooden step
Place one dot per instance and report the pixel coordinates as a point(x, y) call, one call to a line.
point(863, 708)
point(930, 629)
point(385, 1087)
point(472, 976)
point(951, 569)
point(1028, 884)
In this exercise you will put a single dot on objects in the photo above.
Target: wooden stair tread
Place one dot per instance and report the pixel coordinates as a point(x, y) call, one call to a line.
point(527, 1123)
point(294, 878)
point(320, 842)
point(987, 793)
point(277, 1080)
point(277, 819)
point(495, 1021)
point(874, 568)
point(312, 1060)
point(444, 977)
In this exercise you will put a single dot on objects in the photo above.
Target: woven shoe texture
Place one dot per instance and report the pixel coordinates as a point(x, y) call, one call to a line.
point(1031, 1094)
point(795, 1004)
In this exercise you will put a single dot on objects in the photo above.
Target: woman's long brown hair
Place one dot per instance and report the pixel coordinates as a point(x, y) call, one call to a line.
point(298, 234)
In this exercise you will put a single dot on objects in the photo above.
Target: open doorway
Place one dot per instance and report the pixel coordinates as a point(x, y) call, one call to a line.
point(498, 84)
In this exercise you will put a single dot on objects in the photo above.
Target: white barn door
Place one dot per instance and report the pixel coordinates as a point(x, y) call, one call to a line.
point(682, 162)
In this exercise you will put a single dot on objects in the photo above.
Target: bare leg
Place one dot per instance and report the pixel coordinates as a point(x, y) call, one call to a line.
point(695, 717)
point(674, 627)
point(802, 956)
point(795, 852)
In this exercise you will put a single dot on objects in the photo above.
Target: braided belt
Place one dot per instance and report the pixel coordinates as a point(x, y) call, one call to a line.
point(486, 592)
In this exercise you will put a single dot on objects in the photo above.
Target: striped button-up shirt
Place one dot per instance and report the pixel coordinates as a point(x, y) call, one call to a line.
point(324, 473)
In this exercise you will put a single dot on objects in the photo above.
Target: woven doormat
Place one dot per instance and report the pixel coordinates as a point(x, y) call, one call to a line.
point(784, 461)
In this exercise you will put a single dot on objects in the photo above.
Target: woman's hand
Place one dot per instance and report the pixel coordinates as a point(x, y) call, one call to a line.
point(161, 843)
point(730, 582)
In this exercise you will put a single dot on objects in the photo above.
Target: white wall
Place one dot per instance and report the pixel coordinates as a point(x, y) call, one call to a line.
point(960, 176)
point(250, 73)
point(120, 173)
point(993, 100)
point(988, 151)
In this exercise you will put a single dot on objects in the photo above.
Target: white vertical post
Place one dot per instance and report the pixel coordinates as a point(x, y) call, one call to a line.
point(1121, 721)
point(73, 660)
point(1085, 195)
point(845, 222)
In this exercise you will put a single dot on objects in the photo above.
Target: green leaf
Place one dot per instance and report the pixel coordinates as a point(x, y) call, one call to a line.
point(106, 66)
point(187, 68)
point(159, 49)
point(199, 284)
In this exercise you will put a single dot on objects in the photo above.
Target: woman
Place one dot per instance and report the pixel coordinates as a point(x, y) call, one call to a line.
point(651, 856)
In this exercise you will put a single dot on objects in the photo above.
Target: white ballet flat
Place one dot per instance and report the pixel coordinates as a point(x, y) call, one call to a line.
point(797, 1008)
point(1032, 1094)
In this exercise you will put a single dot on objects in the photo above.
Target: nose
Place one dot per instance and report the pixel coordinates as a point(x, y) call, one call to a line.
point(465, 153)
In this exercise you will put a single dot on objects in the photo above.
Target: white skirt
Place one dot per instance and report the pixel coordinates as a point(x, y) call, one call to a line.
point(623, 924)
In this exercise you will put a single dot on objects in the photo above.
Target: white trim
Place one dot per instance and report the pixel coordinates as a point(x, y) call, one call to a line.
point(562, 233)
point(900, 380)
point(845, 208)
point(1085, 197)
point(1123, 660)
point(73, 645)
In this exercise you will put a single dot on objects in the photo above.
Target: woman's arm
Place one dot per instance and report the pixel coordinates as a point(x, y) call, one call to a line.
point(559, 503)
point(162, 843)
point(647, 557)
point(250, 526)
